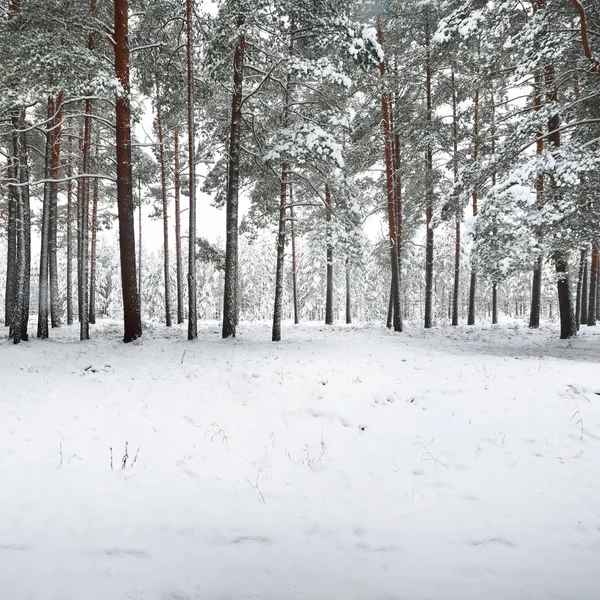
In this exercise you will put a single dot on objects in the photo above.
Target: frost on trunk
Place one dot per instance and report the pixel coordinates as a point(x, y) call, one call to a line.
point(132, 320)
point(230, 299)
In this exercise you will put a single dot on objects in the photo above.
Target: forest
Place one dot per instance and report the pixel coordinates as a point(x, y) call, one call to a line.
point(298, 299)
point(421, 161)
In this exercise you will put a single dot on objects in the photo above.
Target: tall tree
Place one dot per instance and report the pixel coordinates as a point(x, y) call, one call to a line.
point(132, 321)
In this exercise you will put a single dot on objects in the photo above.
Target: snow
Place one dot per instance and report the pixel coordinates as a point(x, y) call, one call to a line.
point(346, 463)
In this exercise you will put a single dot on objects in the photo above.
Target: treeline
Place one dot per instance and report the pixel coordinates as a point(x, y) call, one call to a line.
point(468, 130)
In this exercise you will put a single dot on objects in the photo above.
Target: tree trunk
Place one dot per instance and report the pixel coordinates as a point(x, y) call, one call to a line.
point(348, 294)
point(285, 173)
point(568, 327)
point(391, 201)
point(20, 170)
point(69, 247)
point(55, 308)
point(180, 309)
point(230, 296)
point(84, 322)
point(578, 300)
point(473, 286)
point(591, 319)
point(192, 286)
point(429, 185)
point(536, 295)
point(42, 324)
point(583, 316)
point(165, 206)
point(494, 303)
point(92, 296)
point(329, 290)
point(456, 288)
point(131, 301)
point(294, 259)
point(11, 250)
point(140, 242)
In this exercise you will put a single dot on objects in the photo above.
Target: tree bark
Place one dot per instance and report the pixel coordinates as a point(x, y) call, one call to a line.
point(583, 316)
point(536, 294)
point(568, 327)
point(429, 184)
point(94, 228)
point(579, 288)
point(131, 301)
point(348, 294)
point(456, 288)
point(165, 206)
point(473, 285)
point(176, 175)
point(55, 308)
point(42, 324)
point(20, 170)
point(494, 303)
point(69, 246)
point(389, 181)
point(294, 260)
point(11, 249)
point(285, 172)
point(329, 290)
point(192, 286)
point(230, 296)
point(591, 317)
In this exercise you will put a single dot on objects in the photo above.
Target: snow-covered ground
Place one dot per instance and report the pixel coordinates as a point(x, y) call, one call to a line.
point(345, 463)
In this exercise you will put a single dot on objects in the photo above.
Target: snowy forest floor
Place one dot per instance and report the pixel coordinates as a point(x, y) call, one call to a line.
point(344, 463)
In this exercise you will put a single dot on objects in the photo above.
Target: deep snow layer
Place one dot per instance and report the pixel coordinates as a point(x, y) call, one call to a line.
point(343, 463)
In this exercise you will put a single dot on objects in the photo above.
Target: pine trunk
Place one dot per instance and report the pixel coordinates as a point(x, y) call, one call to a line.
point(92, 296)
point(583, 317)
point(131, 301)
point(456, 288)
point(591, 319)
point(536, 295)
point(494, 303)
point(69, 247)
point(348, 294)
point(429, 184)
point(389, 184)
point(42, 324)
point(165, 206)
point(294, 260)
point(329, 289)
point(180, 309)
point(473, 286)
point(285, 173)
point(578, 301)
point(11, 250)
point(192, 286)
point(230, 296)
point(55, 308)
